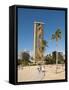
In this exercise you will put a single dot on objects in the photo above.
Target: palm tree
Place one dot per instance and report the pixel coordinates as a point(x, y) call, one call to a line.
point(56, 36)
point(44, 44)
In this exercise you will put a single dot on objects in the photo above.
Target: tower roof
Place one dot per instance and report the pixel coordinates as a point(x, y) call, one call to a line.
point(39, 22)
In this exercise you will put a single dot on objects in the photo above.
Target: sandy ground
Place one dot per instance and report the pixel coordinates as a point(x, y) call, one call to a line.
point(31, 73)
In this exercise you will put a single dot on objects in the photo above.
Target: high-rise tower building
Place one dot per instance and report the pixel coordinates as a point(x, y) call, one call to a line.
point(38, 37)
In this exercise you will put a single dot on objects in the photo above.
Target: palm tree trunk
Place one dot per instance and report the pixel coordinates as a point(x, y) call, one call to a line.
point(56, 56)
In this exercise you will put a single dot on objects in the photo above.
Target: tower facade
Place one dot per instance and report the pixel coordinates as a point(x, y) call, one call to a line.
point(38, 37)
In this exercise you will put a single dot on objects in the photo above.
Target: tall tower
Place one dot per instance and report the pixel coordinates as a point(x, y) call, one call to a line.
point(38, 37)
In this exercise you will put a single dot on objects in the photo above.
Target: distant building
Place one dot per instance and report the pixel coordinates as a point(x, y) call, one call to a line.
point(60, 54)
point(19, 55)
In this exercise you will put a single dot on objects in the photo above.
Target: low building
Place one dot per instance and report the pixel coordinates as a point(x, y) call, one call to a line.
point(59, 55)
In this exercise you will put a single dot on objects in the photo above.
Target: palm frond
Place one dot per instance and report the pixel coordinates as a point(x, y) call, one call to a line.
point(53, 36)
point(45, 43)
point(58, 34)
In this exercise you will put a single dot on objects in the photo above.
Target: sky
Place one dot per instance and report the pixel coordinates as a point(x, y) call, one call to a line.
point(52, 20)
